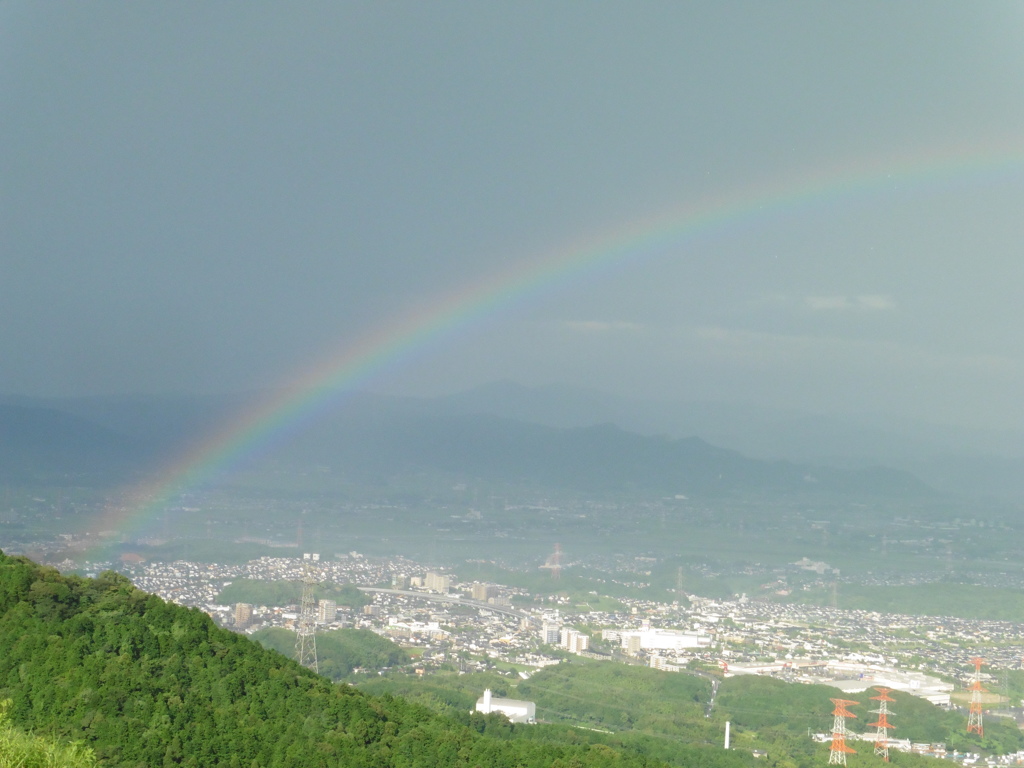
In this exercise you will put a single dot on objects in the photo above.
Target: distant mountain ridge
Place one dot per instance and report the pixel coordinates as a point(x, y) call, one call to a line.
point(394, 436)
point(602, 457)
point(758, 431)
point(960, 460)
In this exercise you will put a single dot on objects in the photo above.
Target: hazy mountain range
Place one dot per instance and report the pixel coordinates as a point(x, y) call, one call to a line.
point(961, 460)
point(549, 436)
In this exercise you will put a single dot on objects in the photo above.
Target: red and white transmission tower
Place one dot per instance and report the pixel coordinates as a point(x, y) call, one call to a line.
point(882, 725)
point(554, 562)
point(974, 724)
point(839, 750)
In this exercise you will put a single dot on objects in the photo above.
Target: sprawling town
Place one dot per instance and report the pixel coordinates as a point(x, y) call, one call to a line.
point(478, 625)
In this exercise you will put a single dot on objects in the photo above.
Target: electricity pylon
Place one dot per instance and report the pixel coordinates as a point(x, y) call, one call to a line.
point(974, 724)
point(305, 627)
point(838, 751)
point(882, 724)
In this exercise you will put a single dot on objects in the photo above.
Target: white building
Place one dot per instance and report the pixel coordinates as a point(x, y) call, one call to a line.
point(573, 641)
point(515, 710)
point(550, 633)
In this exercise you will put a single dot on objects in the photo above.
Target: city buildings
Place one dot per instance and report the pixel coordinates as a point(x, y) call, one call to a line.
point(573, 641)
point(482, 592)
point(550, 633)
point(437, 582)
point(326, 611)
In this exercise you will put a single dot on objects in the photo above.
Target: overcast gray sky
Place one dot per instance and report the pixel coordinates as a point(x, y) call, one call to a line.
point(207, 197)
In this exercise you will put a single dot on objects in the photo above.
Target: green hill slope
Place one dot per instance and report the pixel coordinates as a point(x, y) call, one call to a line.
point(763, 704)
point(146, 683)
point(340, 651)
point(665, 715)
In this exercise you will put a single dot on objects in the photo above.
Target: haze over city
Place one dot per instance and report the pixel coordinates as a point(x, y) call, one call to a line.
point(786, 205)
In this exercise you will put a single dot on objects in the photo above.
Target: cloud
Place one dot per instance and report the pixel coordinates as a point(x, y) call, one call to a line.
point(875, 302)
point(601, 326)
point(783, 348)
point(872, 302)
point(828, 302)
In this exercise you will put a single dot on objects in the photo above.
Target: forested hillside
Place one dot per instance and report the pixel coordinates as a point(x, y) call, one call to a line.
point(147, 683)
point(339, 652)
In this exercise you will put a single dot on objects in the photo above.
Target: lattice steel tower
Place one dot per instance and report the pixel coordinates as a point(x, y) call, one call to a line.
point(838, 752)
point(554, 562)
point(305, 627)
point(974, 724)
point(882, 725)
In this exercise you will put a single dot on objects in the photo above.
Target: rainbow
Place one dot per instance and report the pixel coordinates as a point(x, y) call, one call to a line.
point(356, 363)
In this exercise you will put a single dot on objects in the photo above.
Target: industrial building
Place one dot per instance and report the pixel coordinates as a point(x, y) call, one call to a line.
point(852, 677)
point(407, 628)
point(635, 641)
